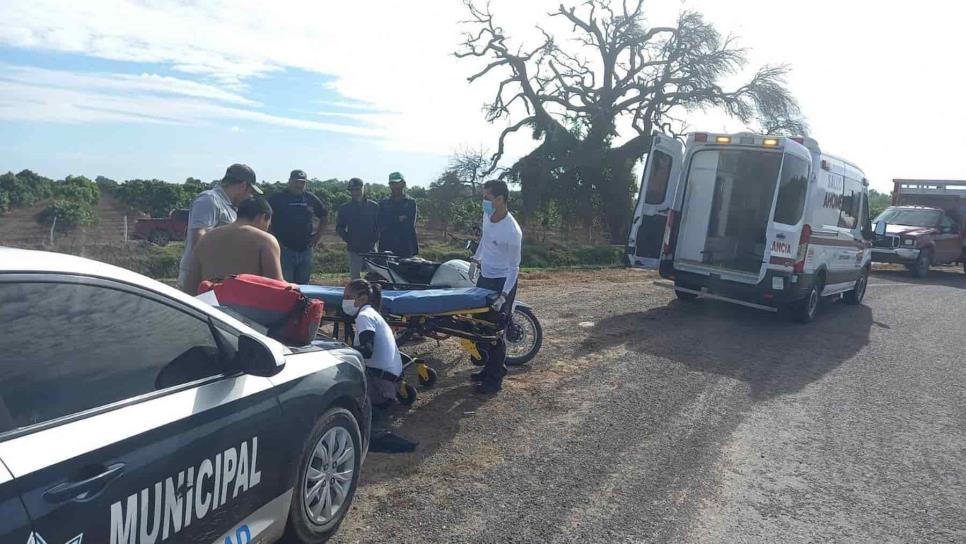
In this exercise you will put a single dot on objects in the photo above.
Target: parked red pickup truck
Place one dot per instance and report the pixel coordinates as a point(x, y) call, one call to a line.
point(924, 226)
point(161, 230)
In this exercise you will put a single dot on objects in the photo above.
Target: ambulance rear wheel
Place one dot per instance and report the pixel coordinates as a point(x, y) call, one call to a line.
point(856, 295)
point(805, 310)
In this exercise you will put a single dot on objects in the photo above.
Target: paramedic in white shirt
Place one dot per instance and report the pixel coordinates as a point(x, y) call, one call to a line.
point(498, 261)
point(374, 340)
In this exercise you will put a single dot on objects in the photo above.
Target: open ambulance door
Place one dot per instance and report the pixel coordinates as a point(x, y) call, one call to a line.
point(659, 185)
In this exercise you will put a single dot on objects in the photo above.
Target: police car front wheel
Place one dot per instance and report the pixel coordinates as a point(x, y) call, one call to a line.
point(327, 478)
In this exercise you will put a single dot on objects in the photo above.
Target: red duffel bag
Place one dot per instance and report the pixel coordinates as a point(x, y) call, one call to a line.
point(290, 316)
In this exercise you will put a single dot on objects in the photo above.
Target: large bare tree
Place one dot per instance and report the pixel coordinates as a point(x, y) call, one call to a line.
point(614, 70)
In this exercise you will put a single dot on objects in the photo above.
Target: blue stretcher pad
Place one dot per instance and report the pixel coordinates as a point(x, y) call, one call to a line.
point(415, 302)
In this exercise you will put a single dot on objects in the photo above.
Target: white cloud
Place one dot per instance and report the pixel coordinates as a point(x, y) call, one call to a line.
point(30, 94)
point(863, 72)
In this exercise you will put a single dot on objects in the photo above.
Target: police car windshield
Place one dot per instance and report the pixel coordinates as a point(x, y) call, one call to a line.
point(910, 218)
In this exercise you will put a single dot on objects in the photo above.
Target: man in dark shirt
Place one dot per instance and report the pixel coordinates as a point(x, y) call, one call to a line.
point(294, 225)
point(357, 226)
point(397, 220)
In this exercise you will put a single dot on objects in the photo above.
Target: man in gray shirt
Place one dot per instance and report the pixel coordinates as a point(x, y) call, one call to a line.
point(216, 207)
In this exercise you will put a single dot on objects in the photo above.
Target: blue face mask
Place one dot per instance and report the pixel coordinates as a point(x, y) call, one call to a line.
point(487, 207)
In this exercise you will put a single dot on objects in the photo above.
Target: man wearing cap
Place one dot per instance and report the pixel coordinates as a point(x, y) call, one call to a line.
point(216, 207)
point(357, 226)
point(243, 247)
point(397, 220)
point(294, 224)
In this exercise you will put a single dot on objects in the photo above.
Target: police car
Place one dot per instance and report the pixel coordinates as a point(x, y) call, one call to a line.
point(131, 413)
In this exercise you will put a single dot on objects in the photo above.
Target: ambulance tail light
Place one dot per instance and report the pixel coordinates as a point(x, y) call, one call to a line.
point(803, 240)
point(672, 217)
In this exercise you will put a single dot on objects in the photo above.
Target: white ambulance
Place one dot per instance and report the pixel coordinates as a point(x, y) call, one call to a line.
point(762, 221)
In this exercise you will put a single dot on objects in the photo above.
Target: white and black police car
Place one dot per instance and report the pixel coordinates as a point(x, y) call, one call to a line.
point(131, 413)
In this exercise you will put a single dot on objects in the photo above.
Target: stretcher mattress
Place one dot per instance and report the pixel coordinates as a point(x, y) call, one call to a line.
point(415, 302)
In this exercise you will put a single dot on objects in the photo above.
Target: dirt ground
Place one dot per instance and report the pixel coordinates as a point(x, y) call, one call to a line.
point(645, 419)
point(445, 419)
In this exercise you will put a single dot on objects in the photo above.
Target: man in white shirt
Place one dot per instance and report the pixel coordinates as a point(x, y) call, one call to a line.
point(498, 260)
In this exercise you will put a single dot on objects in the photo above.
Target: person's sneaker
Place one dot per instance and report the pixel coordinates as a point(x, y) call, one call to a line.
point(477, 376)
point(488, 388)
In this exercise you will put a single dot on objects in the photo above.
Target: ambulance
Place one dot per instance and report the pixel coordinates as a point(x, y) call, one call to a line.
point(769, 222)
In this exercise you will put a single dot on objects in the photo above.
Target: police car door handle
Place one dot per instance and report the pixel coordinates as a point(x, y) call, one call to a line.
point(84, 489)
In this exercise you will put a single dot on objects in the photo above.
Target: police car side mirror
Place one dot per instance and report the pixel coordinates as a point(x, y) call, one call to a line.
point(255, 358)
point(880, 228)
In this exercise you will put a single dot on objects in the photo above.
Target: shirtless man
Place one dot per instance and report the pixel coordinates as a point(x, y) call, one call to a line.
point(243, 247)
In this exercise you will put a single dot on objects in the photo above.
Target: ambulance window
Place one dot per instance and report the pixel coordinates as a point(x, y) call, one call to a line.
point(791, 190)
point(660, 174)
point(851, 203)
point(68, 348)
point(864, 217)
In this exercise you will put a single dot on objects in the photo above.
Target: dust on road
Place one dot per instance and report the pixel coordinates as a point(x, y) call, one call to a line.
point(700, 422)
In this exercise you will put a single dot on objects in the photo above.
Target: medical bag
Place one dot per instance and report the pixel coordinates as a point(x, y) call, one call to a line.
point(290, 316)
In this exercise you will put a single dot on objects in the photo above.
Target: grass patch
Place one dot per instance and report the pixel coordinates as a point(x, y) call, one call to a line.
point(332, 264)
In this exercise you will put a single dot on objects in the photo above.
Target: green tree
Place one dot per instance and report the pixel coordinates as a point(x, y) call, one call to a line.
point(69, 214)
point(615, 71)
point(77, 189)
point(25, 188)
point(156, 197)
point(878, 202)
point(106, 185)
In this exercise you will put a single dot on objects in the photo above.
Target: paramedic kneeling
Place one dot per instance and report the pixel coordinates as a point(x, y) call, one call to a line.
point(374, 340)
point(498, 260)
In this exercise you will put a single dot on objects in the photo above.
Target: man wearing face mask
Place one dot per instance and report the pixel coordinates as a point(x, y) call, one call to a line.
point(397, 220)
point(497, 260)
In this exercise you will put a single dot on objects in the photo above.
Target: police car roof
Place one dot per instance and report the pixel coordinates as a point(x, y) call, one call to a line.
point(25, 260)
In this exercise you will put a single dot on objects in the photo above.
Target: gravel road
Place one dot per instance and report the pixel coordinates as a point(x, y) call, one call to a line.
point(649, 420)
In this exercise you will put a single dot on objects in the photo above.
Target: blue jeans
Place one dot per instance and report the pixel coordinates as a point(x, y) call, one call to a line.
point(296, 265)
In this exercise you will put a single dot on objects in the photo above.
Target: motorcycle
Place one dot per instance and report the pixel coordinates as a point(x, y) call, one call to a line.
point(523, 333)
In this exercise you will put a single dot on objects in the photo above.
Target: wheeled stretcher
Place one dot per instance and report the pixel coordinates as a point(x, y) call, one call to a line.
point(438, 314)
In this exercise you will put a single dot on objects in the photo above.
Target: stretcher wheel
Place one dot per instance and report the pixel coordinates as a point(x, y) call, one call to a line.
point(427, 376)
point(406, 394)
point(478, 361)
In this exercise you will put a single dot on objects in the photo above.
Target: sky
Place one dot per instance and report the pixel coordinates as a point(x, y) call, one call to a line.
point(175, 88)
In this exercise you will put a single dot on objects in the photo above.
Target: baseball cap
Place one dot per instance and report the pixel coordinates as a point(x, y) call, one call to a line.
point(241, 173)
point(298, 175)
point(355, 183)
point(396, 177)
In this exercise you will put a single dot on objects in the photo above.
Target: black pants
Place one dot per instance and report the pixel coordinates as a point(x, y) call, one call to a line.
point(495, 366)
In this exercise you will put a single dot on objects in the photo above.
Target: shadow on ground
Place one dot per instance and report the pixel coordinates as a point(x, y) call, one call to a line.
point(772, 354)
point(433, 423)
point(945, 276)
